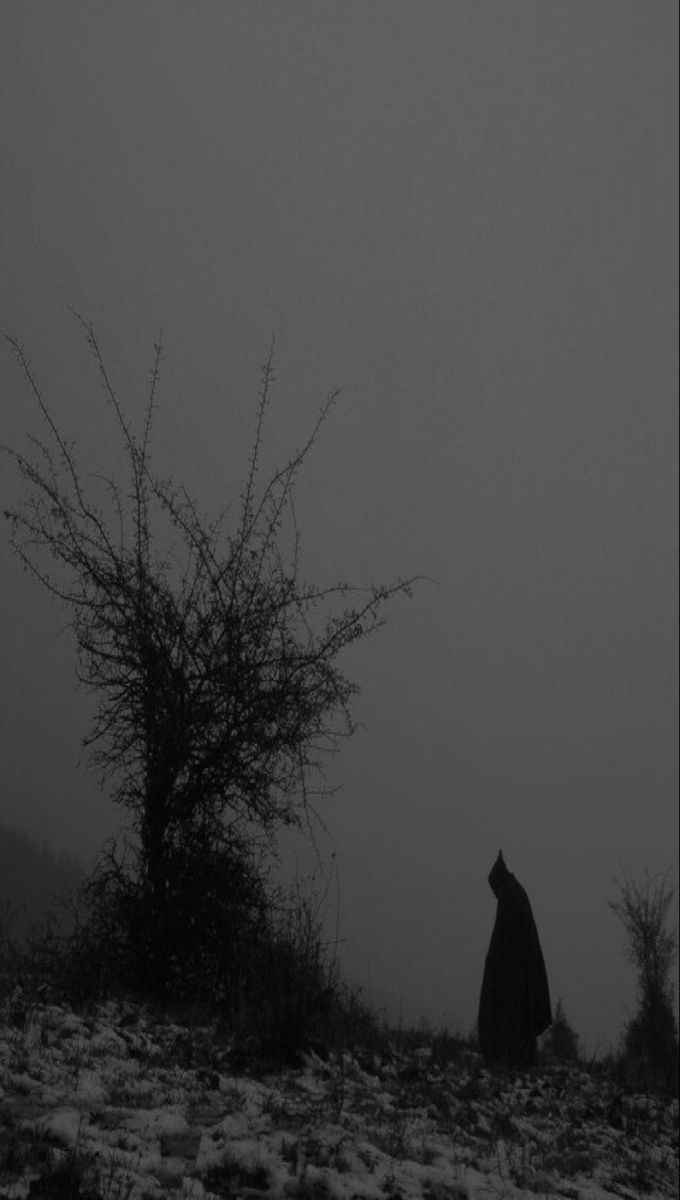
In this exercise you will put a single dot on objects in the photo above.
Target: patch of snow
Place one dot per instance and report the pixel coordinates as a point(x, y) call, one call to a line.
point(69, 1024)
point(62, 1127)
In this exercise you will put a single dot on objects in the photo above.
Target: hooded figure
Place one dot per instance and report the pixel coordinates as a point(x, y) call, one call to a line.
point(514, 1007)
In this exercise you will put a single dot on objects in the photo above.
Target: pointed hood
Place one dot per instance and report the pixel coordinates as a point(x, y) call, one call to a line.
point(499, 874)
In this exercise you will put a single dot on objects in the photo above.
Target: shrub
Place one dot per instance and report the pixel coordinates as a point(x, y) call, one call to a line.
point(560, 1042)
point(649, 1053)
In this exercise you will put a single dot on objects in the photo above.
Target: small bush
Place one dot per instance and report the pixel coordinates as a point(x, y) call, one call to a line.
point(229, 1176)
point(649, 1052)
point(289, 983)
point(9, 949)
point(560, 1043)
point(256, 957)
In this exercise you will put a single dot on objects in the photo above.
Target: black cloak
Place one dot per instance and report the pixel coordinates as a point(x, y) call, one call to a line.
point(514, 1006)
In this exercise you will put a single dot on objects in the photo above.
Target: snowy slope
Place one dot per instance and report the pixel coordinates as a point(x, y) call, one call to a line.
point(119, 1105)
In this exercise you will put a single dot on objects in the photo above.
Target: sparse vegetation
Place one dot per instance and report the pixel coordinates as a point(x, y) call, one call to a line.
point(412, 1122)
point(649, 1052)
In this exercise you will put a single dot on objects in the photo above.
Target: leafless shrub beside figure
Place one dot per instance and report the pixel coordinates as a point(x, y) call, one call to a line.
point(650, 1041)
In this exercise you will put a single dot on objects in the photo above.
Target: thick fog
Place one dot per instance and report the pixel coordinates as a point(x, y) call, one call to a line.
point(465, 216)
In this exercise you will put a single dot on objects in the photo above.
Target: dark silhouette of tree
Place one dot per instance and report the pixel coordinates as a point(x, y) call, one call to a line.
point(651, 1037)
point(214, 666)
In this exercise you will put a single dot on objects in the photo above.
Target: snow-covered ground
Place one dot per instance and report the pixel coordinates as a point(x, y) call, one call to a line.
point(119, 1105)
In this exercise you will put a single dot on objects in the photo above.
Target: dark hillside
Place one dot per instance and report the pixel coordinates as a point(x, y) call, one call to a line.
point(31, 879)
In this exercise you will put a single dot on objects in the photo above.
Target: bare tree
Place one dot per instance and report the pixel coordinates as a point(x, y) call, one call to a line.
point(213, 664)
point(643, 909)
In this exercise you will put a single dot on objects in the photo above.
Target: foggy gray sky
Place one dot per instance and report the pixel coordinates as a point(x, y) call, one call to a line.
point(464, 214)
